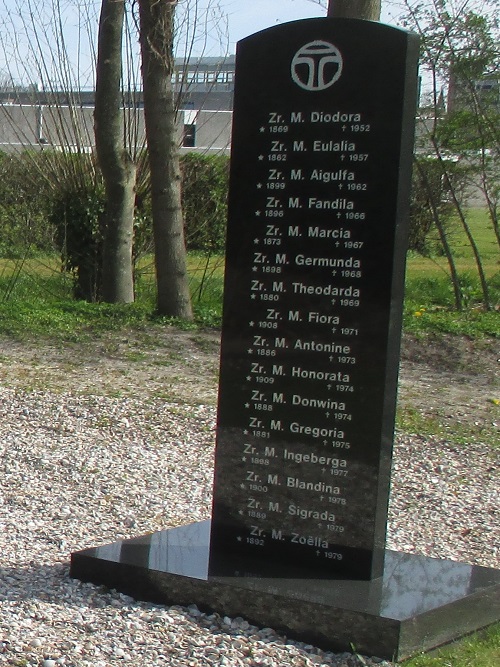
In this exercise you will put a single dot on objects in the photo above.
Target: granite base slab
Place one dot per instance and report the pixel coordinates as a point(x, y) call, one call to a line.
point(419, 603)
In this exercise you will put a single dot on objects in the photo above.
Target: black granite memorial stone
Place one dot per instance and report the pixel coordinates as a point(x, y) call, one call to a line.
point(320, 170)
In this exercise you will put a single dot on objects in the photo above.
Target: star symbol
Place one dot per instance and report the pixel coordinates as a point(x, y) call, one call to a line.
point(252, 324)
point(257, 213)
point(254, 268)
point(259, 185)
point(262, 129)
point(261, 157)
point(253, 296)
point(250, 351)
point(249, 378)
point(256, 241)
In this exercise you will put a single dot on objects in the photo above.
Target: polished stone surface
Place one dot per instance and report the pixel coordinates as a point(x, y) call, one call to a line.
point(317, 223)
point(418, 604)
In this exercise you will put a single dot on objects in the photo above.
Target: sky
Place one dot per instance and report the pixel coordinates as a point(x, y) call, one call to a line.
point(248, 16)
point(245, 18)
point(19, 49)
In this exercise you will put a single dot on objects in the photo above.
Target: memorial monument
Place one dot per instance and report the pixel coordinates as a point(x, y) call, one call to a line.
point(318, 212)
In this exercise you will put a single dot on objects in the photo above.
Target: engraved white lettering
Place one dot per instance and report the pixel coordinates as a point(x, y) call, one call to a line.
point(297, 483)
point(333, 146)
point(335, 117)
point(319, 318)
point(330, 204)
point(309, 540)
point(302, 513)
point(316, 431)
point(315, 346)
point(318, 403)
point(329, 233)
point(326, 290)
point(333, 262)
point(329, 176)
point(306, 374)
point(299, 457)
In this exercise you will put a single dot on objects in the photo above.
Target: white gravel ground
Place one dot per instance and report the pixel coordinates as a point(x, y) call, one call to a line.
point(82, 470)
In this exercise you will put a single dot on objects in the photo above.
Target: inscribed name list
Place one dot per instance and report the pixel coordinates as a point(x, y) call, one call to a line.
point(321, 156)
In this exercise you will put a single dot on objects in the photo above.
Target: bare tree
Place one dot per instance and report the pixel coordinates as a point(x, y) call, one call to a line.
point(157, 42)
point(355, 9)
point(460, 52)
point(44, 109)
point(117, 167)
point(49, 67)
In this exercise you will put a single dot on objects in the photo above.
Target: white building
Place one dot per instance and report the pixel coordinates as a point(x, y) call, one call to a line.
point(204, 88)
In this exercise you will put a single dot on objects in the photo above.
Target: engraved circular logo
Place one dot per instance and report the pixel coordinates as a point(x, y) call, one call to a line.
point(317, 66)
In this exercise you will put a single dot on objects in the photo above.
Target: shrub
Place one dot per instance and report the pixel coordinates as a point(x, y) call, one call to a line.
point(52, 201)
point(204, 200)
point(75, 213)
point(25, 230)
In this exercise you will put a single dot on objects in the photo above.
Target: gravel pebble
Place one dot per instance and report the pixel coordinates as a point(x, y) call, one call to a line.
point(81, 470)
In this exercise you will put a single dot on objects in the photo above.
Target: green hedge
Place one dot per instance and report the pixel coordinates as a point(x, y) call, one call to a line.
point(24, 228)
point(65, 218)
point(204, 200)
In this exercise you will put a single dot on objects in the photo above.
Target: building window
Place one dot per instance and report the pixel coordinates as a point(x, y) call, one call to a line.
point(189, 135)
point(189, 130)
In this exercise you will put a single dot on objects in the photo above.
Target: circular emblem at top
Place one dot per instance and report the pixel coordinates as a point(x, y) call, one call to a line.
point(317, 66)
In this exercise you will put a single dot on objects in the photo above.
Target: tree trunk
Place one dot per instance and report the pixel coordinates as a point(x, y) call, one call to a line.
point(355, 9)
point(455, 278)
point(118, 169)
point(156, 38)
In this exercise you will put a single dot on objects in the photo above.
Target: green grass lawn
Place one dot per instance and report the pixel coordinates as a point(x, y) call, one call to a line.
point(429, 298)
point(481, 649)
point(484, 236)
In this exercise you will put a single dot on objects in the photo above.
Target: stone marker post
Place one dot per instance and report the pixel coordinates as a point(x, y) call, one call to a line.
point(318, 211)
